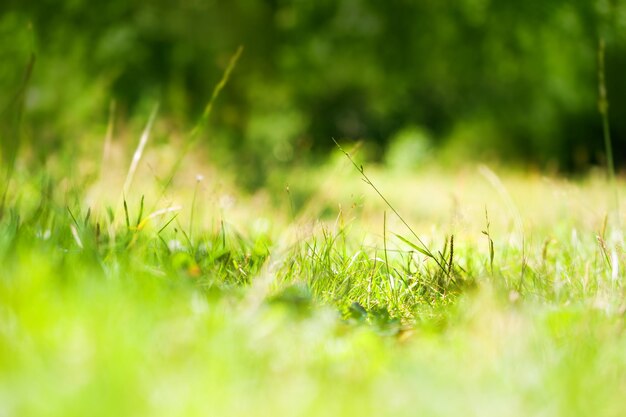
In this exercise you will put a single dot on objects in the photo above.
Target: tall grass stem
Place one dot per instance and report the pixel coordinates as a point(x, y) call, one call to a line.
point(603, 108)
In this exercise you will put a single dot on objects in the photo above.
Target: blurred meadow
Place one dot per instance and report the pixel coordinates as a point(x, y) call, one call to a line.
point(298, 208)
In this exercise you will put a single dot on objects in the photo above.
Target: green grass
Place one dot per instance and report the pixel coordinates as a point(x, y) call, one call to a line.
point(316, 301)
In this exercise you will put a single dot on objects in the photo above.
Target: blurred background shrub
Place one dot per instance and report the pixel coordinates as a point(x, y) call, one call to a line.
point(514, 80)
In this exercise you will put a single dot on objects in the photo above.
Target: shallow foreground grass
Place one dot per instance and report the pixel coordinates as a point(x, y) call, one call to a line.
point(199, 300)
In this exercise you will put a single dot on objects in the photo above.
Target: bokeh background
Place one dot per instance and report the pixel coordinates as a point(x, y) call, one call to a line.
point(414, 80)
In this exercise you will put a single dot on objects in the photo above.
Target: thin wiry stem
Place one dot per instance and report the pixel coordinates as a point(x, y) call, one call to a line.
point(145, 135)
point(422, 248)
point(603, 108)
point(193, 135)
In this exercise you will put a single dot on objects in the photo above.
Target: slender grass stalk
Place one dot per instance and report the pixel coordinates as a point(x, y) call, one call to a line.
point(145, 135)
point(487, 233)
point(385, 242)
point(193, 135)
point(140, 215)
point(143, 140)
point(389, 277)
point(193, 205)
point(216, 92)
point(421, 246)
point(495, 181)
point(167, 223)
point(603, 108)
point(126, 215)
point(451, 258)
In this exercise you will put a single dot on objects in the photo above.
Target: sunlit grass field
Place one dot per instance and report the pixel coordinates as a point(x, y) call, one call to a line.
point(497, 292)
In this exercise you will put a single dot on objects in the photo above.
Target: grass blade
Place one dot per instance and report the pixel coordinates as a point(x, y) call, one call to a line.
point(140, 149)
point(414, 246)
point(193, 135)
point(422, 248)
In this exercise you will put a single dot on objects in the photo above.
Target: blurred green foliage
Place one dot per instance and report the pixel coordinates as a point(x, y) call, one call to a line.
point(514, 79)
